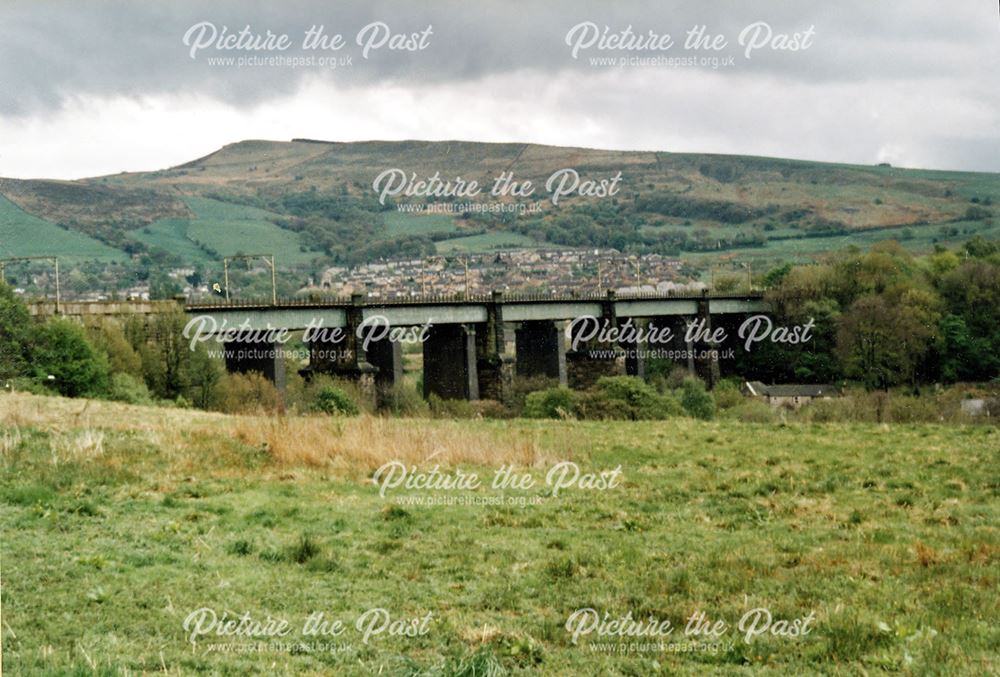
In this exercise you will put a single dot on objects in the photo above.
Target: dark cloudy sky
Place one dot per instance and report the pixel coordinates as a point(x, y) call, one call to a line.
point(93, 87)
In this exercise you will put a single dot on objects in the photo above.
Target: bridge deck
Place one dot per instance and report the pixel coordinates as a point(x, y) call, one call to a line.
point(461, 299)
point(296, 314)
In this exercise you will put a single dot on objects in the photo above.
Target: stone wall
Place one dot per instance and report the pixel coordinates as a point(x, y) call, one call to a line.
point(94, 311)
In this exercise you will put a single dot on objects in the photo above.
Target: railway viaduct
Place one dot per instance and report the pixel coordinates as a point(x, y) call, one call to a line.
point(467, 351)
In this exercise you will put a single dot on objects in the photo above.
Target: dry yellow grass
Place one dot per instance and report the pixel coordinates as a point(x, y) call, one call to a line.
point(343, 445)
point(369, 441)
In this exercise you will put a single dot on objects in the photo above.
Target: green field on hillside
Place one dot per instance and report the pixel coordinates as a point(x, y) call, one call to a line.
point(917, 239)
point(120, 522)
point(230, 228)
point(488, 242)
point(172, 235)
point(401, 224)
point(22, 234)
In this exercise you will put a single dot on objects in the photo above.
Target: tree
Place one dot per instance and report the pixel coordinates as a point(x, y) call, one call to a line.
point(972, 293)
point(979, 247)
point(64, 360)
point(204, 376)
point(962, 357)
point(161, 286)
point(775, 276)
point(885, 266)
point(109, 338)
point(883, 340)
point(799, 286)
point(803, 294)
point(864, 344)
point(15, 325)
point(942, 262)
point(166, 356)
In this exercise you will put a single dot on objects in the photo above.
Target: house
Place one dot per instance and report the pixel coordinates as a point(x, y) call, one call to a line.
point(790, 396)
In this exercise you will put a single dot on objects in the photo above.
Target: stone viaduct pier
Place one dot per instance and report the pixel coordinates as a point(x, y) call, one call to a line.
point(473, 345)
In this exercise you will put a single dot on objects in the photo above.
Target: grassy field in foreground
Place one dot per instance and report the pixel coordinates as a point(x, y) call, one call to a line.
point(118, 522)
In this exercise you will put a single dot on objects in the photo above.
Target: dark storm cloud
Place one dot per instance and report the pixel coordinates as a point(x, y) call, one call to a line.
point(52, 51)
point(96, 86)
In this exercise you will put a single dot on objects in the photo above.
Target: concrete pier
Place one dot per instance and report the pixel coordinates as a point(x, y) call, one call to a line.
point(592, 359)
point(387, 359)
point(706, 362)
point(256, 353)
point(450, 369)
point(495, 368)
point(540, 350)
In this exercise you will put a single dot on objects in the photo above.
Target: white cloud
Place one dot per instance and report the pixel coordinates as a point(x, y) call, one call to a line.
point(918, 123)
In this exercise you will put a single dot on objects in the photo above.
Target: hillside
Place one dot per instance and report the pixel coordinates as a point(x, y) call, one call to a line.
point(308, 201)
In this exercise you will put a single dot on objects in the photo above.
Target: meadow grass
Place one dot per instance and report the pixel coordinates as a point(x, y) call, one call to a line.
point(488, 242)
point(403, 224)
point(172, 235)
point(227, 228)
point(118, 521)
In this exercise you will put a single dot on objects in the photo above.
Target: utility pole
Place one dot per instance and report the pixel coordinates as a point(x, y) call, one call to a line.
point(268, 259)
point(274, 284)
point(466, 261)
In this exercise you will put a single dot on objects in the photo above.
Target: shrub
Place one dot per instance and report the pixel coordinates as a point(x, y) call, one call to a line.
point(550, 403)
point(593, 406)
point(909, 409)
point(697, 402)
point(676, 377)
point(441, 408)
point(306, 394)
point(333, 400)
point(128, 388)
point(753, 411)
point(856, 407)
point(64, 360)
point(403, 400)
point(727, 395)
point(250, 392)
point(490, 409)
point(25, 385)
point(299, 392)
point(627, 397)
point(523, 386)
